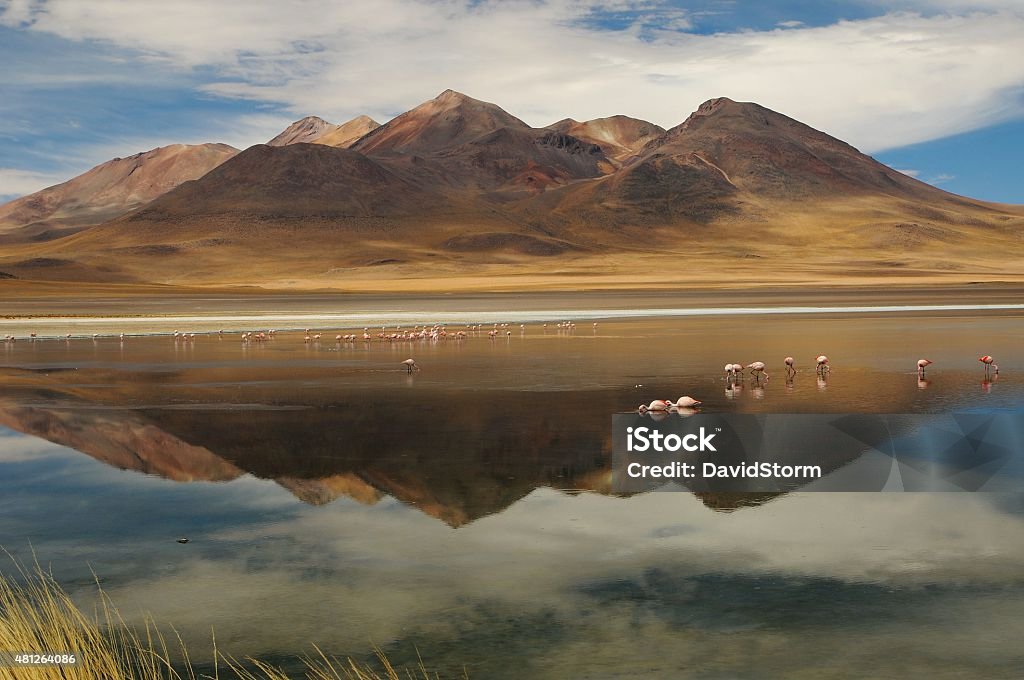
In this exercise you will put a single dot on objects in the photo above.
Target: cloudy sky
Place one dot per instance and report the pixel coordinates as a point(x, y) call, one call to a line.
point(932, 87)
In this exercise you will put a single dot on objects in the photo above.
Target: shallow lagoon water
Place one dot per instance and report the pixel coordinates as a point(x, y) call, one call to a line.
point(465, 510)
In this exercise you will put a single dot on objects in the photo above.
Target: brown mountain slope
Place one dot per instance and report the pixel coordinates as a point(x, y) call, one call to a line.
point(107, 191)
point(461, 143)
point(346, 134)
point(297, 208)
point(766, 153)
point(618, 136)
point(443, 123)
point(293, 181)
point(756, 174)
point(304, 130)
point(513, 161)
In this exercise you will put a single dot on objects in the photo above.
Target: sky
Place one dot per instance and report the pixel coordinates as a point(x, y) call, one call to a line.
point(934, 88)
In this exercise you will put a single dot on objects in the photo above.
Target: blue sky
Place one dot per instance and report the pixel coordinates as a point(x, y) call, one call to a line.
point(931, 87)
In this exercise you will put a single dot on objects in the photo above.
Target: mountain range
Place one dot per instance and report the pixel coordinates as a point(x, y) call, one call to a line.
point(458, 187)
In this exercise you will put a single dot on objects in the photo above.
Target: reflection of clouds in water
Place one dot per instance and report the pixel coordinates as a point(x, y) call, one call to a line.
point(398, 574)
point(17, 448)
point(655, 582)
point(76, 512)
point(916, 636)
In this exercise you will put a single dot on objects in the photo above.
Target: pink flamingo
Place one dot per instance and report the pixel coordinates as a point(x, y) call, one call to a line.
point(757, 370)
point(790, 365)
point(656, 405)
point(990, 364)
point(823, 366)
point(685, 402)
point(410, 365)
point(921, 365)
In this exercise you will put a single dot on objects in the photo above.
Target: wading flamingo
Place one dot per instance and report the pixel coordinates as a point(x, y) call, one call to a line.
point(790, 365)
point(822, 362)
point(921, 365)
point(757, 370)
point(656, 405)
point(410, 365)
point(685, 402)
point(990, 364)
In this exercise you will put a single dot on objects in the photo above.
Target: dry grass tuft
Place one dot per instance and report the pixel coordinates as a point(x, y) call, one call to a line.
point(37, 615)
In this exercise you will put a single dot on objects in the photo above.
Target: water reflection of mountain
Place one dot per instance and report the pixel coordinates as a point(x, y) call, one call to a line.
point(457, 456)
point(455, 469)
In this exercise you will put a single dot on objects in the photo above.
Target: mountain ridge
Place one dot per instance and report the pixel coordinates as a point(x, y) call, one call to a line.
point(108, 190)
point(457, 183)
point(316, 130)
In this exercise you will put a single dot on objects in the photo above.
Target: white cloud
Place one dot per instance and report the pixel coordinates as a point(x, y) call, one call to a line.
point(952, 6)
point(877, 83)
point(16, 13)
point(910, 173)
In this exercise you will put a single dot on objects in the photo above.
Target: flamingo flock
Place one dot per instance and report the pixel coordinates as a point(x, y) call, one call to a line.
point(668, 405)
point(734, 372)
point(397, 334)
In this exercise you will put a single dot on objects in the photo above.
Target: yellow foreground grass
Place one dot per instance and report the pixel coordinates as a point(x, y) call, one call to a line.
point(37, 615)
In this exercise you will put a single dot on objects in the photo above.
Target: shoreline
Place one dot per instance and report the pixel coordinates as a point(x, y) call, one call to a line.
point(402, 318)
point(502, 283)
point(136, 310)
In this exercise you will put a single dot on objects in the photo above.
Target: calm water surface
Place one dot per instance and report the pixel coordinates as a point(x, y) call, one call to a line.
point(465, 510)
